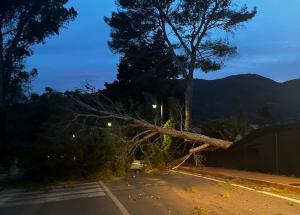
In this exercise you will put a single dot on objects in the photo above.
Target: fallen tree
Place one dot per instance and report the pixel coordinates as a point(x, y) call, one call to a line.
point(193, 137)
point(99, 111)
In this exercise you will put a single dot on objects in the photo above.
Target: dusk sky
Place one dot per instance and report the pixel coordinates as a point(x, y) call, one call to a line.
point(269, 45)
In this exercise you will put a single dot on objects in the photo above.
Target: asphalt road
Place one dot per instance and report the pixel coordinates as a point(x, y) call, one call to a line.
point(177, 193)
point(75, 199)
point(148, 194)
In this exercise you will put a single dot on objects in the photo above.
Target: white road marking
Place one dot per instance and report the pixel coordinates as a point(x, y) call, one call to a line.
point(240, 186)
point(57, 187)
point(55, 190)
point(56, 194)
point(114, 199)
point(61, 193)
point(51, 199)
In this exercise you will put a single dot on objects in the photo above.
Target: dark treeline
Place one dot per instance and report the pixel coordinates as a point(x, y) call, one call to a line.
point(43, 141)
point(23, 24)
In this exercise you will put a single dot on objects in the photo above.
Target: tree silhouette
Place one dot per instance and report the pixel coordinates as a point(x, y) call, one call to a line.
point(194, 31)
point(145, 70)
point(22, 25)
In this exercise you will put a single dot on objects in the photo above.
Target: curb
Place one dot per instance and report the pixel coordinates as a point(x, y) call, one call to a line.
point(255, 181)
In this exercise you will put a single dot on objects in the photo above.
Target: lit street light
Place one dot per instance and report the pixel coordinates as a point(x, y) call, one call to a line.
point(109, 124)
point(73, 136)
point(154, 106)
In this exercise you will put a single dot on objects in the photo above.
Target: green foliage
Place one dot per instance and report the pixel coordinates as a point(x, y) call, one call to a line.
point(167, 140)
point(157, 153)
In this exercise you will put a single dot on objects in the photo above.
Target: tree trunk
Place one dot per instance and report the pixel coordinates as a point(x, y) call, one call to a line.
point(1, 71)
point(193, 137)
point(188, 101)
point(3, 137)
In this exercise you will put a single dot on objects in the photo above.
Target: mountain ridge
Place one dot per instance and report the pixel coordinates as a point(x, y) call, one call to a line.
point(250, 94)
point(248, 75)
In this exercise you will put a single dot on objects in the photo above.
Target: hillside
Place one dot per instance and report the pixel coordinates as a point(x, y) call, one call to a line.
point(253, 95)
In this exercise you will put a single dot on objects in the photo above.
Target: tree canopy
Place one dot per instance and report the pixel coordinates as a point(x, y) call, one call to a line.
point(194, 32)
point(22, 25)
point(145, 70)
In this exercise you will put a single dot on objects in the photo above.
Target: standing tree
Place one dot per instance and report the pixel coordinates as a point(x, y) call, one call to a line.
point(144, 69)
point(194, 31)
point(22, 25)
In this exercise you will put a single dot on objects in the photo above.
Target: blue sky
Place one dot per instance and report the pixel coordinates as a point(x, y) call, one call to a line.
point(269, 45)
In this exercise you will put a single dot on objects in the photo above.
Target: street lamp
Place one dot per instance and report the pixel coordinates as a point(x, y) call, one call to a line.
point(161, 113)
point(109, 124)
point(154, 106)
point(73, 136)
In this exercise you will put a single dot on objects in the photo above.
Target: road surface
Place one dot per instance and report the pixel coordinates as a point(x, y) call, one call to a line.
point(161, 193)
point(75, 199)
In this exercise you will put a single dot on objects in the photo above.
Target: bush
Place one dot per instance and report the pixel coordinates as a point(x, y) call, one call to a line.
point(46, 149)
point(62, 156)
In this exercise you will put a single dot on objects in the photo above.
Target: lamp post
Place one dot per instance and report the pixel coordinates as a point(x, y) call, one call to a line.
point(154, 106)
point(161, 113)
